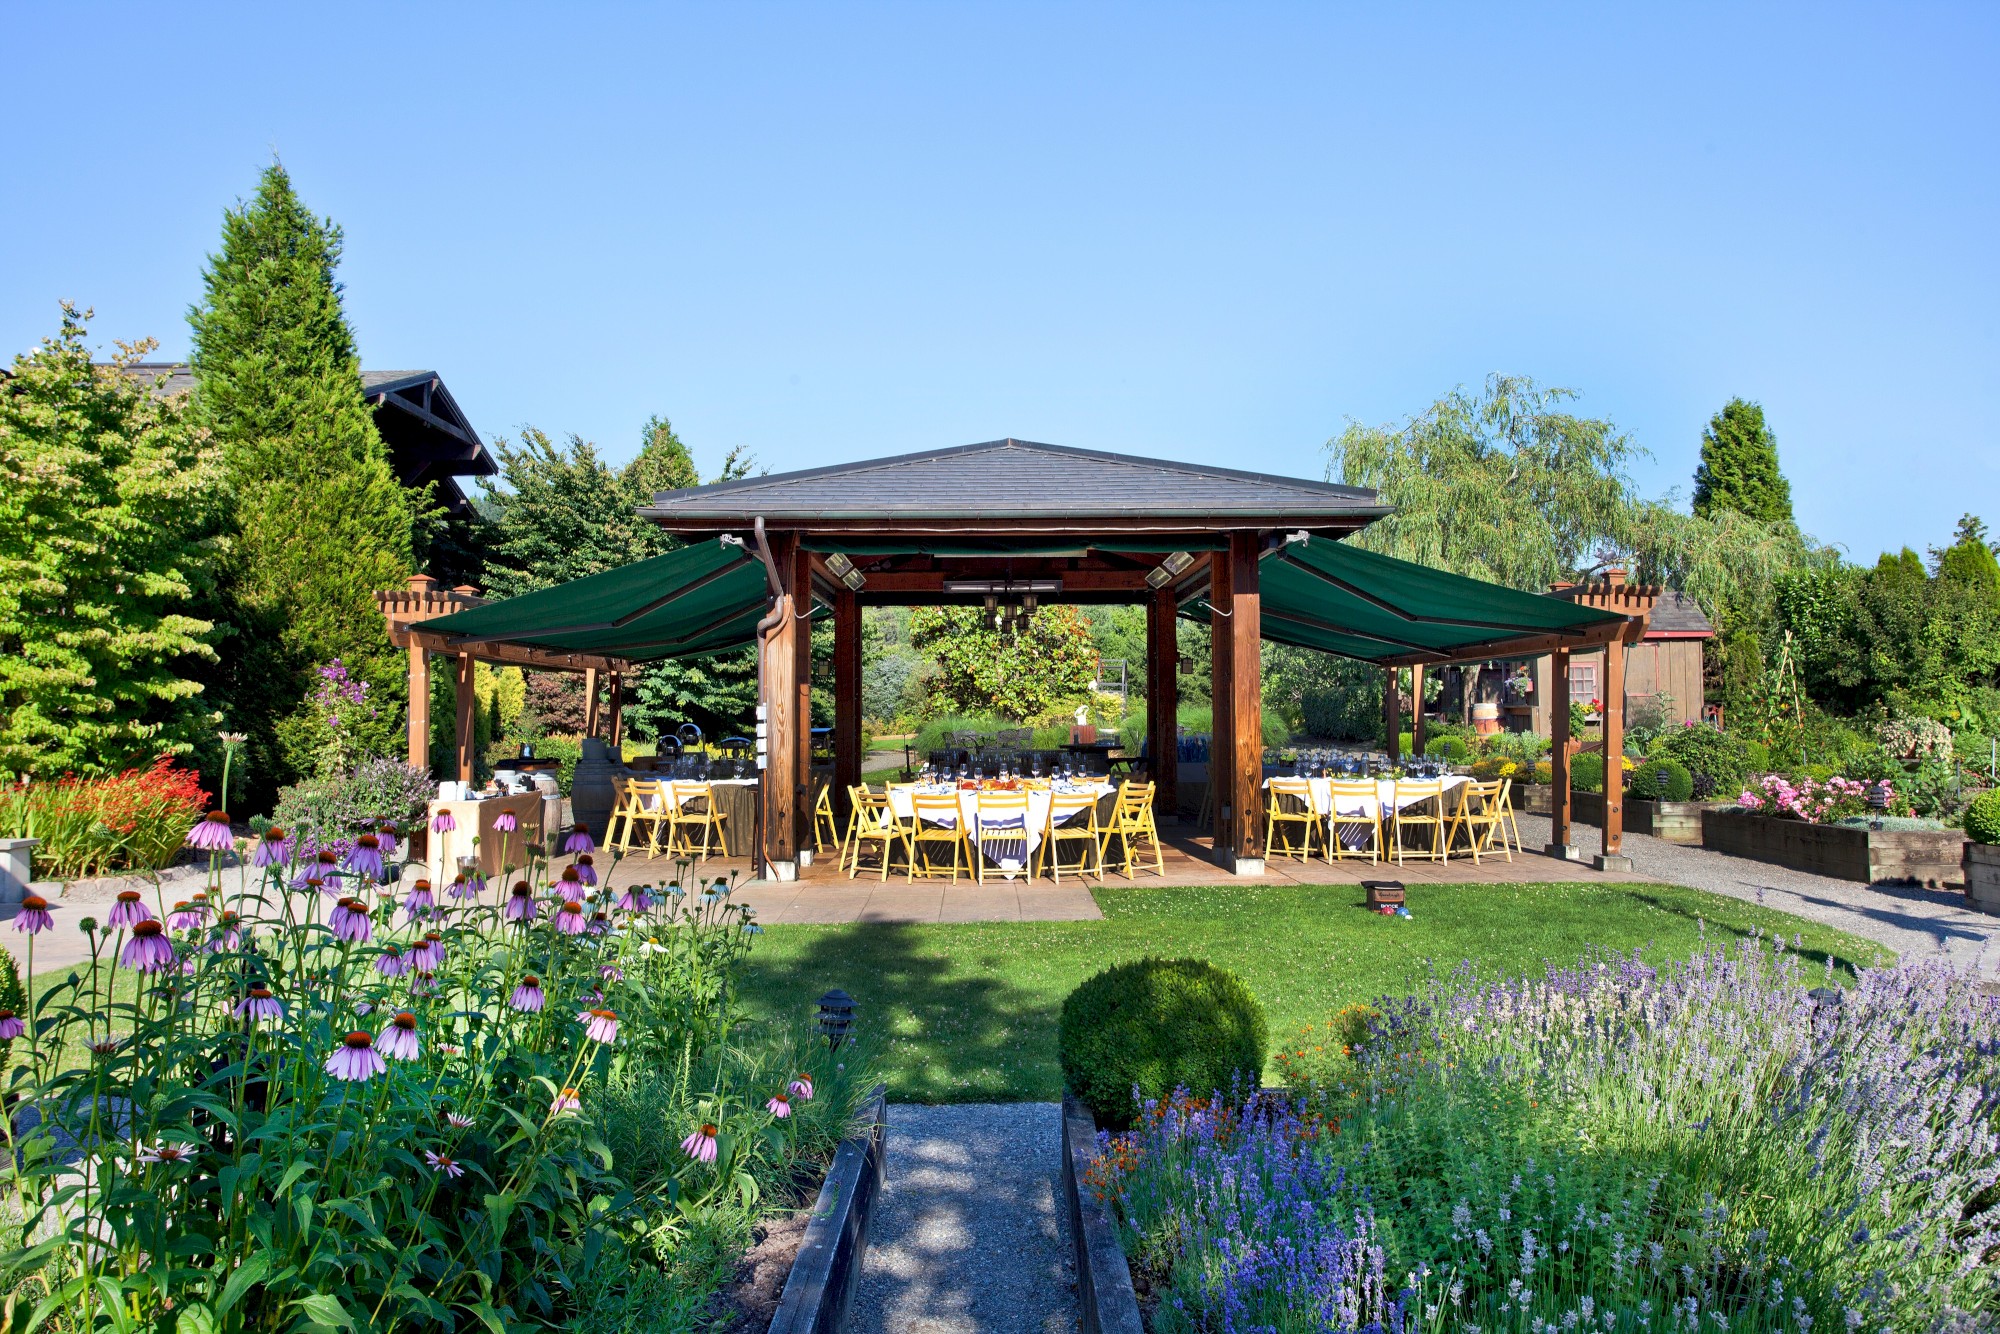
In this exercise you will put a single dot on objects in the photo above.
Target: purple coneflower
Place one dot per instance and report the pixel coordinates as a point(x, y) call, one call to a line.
point(528, 996)
point(391, 962)
point(569, 918)
point(520, 904)
point(801, 1087)
point(386, 837)
point(457, 1122)
point(636, 899)
point(425, 984)
point(149, 950)
point(107, 1047)
point(260, 1006)
point(505, 823)
point(585, 869)
point(164, 1152)
point(188, 916)
point(611, 972)
point(274, 849)
point(599, 923)
point(599, 1025)
point(350, 922)
point(34, 915)
point(442, 823)
point(429, 953)
point(700, 1146)
point(212, 833)
point(779, 1106)
point(464, 887)
point(366, 859)
point(357, 1061)
point(129, 910)
point(420, 902)
point(399, 1039)
point(227, 933)
point(579, 839)
point(570, 883)
point(565, 1102)
point(11, 1026)
point(441, 1164)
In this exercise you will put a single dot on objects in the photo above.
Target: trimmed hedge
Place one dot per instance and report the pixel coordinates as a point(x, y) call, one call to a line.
point(1586, 772)
point(1158, 1025)
point(1982, 818)
point(1662, 780)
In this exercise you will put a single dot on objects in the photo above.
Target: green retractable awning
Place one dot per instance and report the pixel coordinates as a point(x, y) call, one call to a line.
point(1360, 604)
point(701, 599)
point(1008, 546)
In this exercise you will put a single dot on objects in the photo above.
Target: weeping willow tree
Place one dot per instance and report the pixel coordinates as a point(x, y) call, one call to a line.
point(1510, 486)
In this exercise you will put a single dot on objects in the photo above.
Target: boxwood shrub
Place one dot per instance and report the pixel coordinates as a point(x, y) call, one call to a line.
point(1662, 780)
point(1982, 818)
point(1586, 771)
point(1157, 1025)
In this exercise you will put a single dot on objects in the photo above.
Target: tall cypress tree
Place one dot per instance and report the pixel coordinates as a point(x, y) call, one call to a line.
point(321, 521)
point(1739, 467)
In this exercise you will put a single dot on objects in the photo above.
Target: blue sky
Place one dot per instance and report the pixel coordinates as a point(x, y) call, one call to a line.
point(830, 232)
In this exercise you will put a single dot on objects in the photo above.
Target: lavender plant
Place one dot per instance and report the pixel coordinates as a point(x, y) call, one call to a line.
point(329, 1095)
point(1705, 1147)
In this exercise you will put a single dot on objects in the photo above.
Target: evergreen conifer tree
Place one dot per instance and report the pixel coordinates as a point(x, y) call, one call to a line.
point(320, 520)
point(1739, 467)
point(109, 497)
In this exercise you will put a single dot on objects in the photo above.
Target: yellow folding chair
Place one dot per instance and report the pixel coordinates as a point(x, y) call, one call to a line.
point(1290, 807)
point(1072, 819)
point(1131, 822)
point(1420, 805)
point(1003, 826)
point(826, 827)
point(1479, 814)
point(874, 821)
point(937, 821)
point(1356, 804)
point(692, 806)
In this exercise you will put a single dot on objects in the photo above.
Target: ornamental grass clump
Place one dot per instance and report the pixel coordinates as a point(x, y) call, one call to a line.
point(1712, 1146)
point(292, 1106)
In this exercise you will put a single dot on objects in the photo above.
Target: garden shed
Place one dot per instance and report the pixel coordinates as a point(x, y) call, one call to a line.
point(1663, 671)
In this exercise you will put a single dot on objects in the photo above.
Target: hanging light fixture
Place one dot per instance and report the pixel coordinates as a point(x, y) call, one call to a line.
point(1168, 570)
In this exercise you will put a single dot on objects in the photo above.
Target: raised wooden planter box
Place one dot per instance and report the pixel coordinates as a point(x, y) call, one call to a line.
point(1105, 1300)
point(1981, 865)
point(1669, 821)
point(820, 1287)
point(1922, 856)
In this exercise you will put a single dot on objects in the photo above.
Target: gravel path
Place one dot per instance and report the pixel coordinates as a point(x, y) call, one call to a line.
point(970, 1234)
point(1913, 921)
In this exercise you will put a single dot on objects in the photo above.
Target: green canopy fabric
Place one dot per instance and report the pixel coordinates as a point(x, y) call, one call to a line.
point(1003, 546)
point(1359, 604)
point(702, 599)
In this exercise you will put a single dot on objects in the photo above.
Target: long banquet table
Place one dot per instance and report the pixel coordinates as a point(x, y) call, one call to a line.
point(1007, 846)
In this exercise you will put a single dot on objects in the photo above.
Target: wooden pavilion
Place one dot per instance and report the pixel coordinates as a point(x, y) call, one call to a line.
point(1015, 523)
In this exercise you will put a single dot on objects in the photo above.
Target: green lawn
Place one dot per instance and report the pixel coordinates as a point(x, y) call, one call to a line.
point(971, 1010)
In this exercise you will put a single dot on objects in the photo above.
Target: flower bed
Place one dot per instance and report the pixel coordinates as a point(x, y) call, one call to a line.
point(97, 826)
point(319, 1095)
point(1842, 851)
point(1712, 1146)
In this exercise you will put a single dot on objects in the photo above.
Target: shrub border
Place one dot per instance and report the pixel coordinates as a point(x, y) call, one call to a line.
point(820, 1287)
point(1105, 1300)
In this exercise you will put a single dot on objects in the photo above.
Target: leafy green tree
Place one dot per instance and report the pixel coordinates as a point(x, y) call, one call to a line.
point(566, 513)
point(109, 500)
point(1048, 666)
point(1739, 467)
point(320, 520)
point(1969, 560)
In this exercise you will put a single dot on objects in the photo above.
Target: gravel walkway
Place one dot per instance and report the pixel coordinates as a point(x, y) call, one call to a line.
point(1913, 921)
point(970, 1234)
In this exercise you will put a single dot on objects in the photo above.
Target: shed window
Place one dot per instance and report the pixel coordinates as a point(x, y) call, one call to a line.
point(1583, 682)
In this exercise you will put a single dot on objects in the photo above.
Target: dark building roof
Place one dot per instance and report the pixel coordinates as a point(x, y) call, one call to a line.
point(1678, 616)
point(428, 435)
point(1012, 485)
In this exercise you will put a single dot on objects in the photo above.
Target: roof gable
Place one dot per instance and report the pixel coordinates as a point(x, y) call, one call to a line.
point(1011, 480)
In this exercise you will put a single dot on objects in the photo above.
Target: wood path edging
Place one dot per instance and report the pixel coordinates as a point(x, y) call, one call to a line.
point(820, 1288)
point(1105, 1301)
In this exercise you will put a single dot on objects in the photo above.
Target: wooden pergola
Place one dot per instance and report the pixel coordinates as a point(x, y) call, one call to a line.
point(1253, 556)
point(403, 611)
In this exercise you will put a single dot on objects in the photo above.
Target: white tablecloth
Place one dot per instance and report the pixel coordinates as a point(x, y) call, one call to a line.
point(1385, 795)
point(651, 801)
point(1008, 847)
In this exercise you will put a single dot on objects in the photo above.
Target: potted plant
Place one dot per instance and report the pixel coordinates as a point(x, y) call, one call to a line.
point(1982, 853)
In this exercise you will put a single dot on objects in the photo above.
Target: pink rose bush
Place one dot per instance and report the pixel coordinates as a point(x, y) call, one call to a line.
point(1810, 799)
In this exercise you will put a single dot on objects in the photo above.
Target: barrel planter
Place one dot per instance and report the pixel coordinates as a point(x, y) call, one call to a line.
point(1981, 864)
point(1844, 852)
point(591, 794)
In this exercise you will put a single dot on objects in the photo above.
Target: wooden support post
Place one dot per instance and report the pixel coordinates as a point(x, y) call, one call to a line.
point(466, 699)
point(781, 721)
point(1242, 842)
point(590, 701)
point(1163, 700)
point(617, 714)
point(846, 698)
point(1612, 857)
point(1222, 718)
point(420, 709)
point(1559, 747)
point(802, 789)
point(1392, 715)
point(1417, 711)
